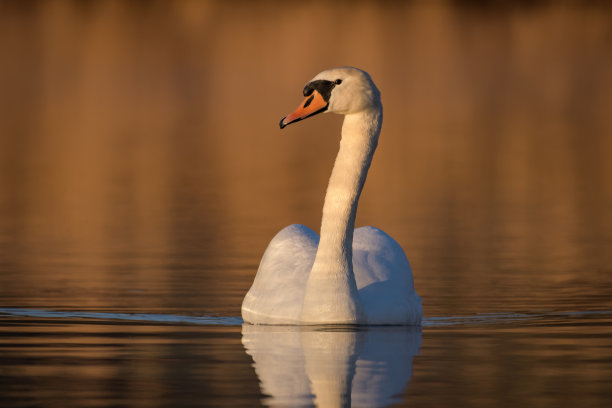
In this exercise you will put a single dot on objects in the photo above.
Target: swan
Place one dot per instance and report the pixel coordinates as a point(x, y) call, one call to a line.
point(346, 276)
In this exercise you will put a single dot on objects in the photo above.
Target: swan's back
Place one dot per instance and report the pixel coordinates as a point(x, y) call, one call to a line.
point(278, 289)
point(384, 279)
point(382, 273)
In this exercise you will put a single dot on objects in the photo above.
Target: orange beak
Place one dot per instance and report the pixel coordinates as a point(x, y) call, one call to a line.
point(312, 105)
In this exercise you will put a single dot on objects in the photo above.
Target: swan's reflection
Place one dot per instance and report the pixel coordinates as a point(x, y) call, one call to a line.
point(331, 366)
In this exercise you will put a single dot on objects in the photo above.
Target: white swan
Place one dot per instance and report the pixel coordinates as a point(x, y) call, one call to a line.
point(347, 276)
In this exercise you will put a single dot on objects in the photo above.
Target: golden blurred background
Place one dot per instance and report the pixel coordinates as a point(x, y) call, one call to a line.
point(142, 168)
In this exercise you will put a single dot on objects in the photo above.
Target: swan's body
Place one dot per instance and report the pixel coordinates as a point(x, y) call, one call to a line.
point(346, 276)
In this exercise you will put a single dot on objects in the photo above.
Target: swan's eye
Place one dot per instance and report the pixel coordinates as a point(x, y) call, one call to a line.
point(338, 81)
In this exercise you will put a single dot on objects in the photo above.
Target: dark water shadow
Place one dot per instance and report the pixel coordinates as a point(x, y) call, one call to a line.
point(509, 318)
point(212, 320)
point(137, 317)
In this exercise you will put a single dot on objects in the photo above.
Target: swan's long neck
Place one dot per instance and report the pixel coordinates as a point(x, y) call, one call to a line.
point(331, 293)
point(359, 140)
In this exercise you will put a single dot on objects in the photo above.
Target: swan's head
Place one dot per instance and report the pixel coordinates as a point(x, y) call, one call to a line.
point(343, 90)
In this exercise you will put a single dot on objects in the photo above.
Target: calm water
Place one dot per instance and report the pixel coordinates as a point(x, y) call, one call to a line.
point(142, 174)
point(109, 359)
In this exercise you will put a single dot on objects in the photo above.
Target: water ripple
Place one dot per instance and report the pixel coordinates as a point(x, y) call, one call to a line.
point(498, 318)
point(478, 319)
point(141, 317)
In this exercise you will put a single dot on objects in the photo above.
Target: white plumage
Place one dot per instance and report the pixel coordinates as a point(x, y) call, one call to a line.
point(346, 276)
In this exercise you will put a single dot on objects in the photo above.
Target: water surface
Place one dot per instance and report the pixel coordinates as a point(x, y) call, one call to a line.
point(54, 358)
point(142, 174)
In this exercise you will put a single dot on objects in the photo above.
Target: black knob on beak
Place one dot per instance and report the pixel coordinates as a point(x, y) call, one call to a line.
point(308, 89)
